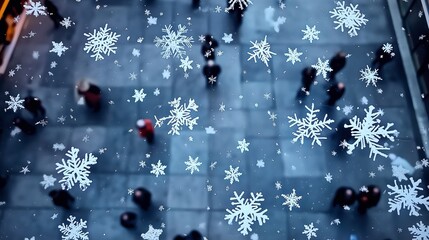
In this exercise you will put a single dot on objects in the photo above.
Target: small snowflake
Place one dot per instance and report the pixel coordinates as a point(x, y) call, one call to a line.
point(243, 145)
point(322, 67)
point(139, 95)
point(152, 234)
point(348, 17)
point(310, 34)
point(387, 48)
point(173, 43)
point(310, 231)
point(293, 56)
point(48, 181)
point(66, 22)
point(180, 115)
point(369, 76)
point(192, 164)
point(15, 103)
point(291, 200)
point(328, 177)
point(186, 64)
point(35, 8)
point(232, 174)
point(74, 230)
point(158, 169)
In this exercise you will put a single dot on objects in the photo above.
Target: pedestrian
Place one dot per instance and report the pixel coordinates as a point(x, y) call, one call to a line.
point(53, 13)
point(344, 134)
point(211, 71)
point(35, 107)
point(381, 58)
point(344, 196)
point(3, 180)
point(208, 47)
point(337, 63)
point(142, 197)
point(195, 4)
point(24, 125)
point(335, 92)
point(61, 198)
point(128, 220)
point(90, 93)
point(308, 77)
point(194, 235)
point(146, 130)
point(179, 237)
point(368, 199)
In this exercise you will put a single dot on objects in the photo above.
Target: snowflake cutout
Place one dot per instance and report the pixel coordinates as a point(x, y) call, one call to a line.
point(261, 51)
point(180, 115)
point(232, 174)
point(369, 76)
point(152, 233)
point(48, 181)
point(139, 95)
point(246, 211)
point(101, 43)
point(15, 103)
point(322, 67)
point(186, 64)
point(387, 48)
point(406, 197)
point(241, 4)
point(58, 48)
point(158, 168)
point(310, 231)
point(293, 56)
point(66, 22)
point(173, 43)
point(75, 169)
point(348, 17)
point(291, 200)
point(74, 230)
point(419, 231)
point(369, 132)
point(310, 127)
point(35, 8)
point(310, 34)
point(192, 165)
point(243, 145)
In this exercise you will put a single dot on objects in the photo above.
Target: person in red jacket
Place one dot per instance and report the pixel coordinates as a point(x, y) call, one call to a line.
point(146, 130)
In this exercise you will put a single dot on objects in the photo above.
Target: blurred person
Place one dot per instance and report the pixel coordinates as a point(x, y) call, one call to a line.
point(381, 58)
point(146, 130)
point(24, 125)
point(208, 47)
point(53, 13)
point(368, 199)
point(308, 77)
point(344, 196)
point(142, 198)
point(35, 107)
point(337, 63)
point(62, 198)
point(211, 71)
point(90, 93)
point(335, 92)
point(128, 219)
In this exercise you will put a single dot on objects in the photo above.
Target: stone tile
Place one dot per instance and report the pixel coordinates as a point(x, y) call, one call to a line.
point(25, 186)
point(182, 149)
point(186, 192)
point(105, 191)
point(182, 222)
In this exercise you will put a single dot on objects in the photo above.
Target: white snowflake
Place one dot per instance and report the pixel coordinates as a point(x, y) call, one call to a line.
point(278, 185)
point(58, 146)
point(399, 172)
point(293, 55)
point(291, 200)
point(310, 127)
point(75, 169)
point(152, 233)
point(180, 115)
point(15, 103)
point(322, 67)
point(328, 177)
point(35, 8)
point(193, 164)
point(310, 231)
point(139, 95)
point(74, 230)
point(241, 4)
point(246, 211)
point(48, 181)
point(243, 145)
point(369, 76)
point(419, 231)
point(387, 48)
point(310, 34)
point(173, 43)
point(158, 168)
point(66, 22)
point(232, 174)
point(369, 132)
point(406, 197)
point(347, 109)
point(58, 48)
point(261, 50)
point(348, 17)
point(101, 43)
point(186, 64)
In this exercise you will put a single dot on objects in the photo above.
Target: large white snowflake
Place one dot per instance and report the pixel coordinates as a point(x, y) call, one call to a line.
point(58, 48)
point(310, 34)
point(35, 8)
point(152, 233)
point(15, 103)
point(419, 231)
point(348, 17)
point(232, 174)
point(180, 115)
point(322, 67)
point(158, 168)
point(101, 43)
point(291, 200)
point(261, 51)
point(192, 165)
point(246, 211)
point(406, 196)
point(173, 43)
point(310, 231)
point(76, 170)
point(243, 145)
point(48, 181)
point(241, 4)
point(74, 230)
point(369, 132)
point(369, 76)
point(310, 127)
point(293, 55)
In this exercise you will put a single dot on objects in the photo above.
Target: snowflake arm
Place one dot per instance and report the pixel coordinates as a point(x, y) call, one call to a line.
point(232, 174)
point(406, 196)
point(419, 231)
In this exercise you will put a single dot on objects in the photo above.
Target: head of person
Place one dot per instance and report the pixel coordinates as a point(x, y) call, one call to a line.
point(140, 123)
point(342, 54)
point(195, 235)
point(341, 85)
point(179, 237)
point(52, 193)
point(210, 63)
point(82, 85)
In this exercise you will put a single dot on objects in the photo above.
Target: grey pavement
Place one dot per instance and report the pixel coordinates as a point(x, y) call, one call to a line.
point(181, 201)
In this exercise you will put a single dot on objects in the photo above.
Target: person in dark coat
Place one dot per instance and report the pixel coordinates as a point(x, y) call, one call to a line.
point(344, 133)
point(25, 126)
point(61, 198)
point(179, 237)
point(3, 180)
point(146, 129)
point(211, 71)
point(91, 94)
point(208, 47)
point(335, 92)
point(308, 77)
point(344, 196)
point(142, 198)
point(128, 219)
point(194, 235)
point(368, 199)
point(381, 58)
point(337, 63)
point(35, 107)
point(195, 3)
point(53, 13)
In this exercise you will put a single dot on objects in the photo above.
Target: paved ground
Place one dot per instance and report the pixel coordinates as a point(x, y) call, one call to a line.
point(187, 203)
